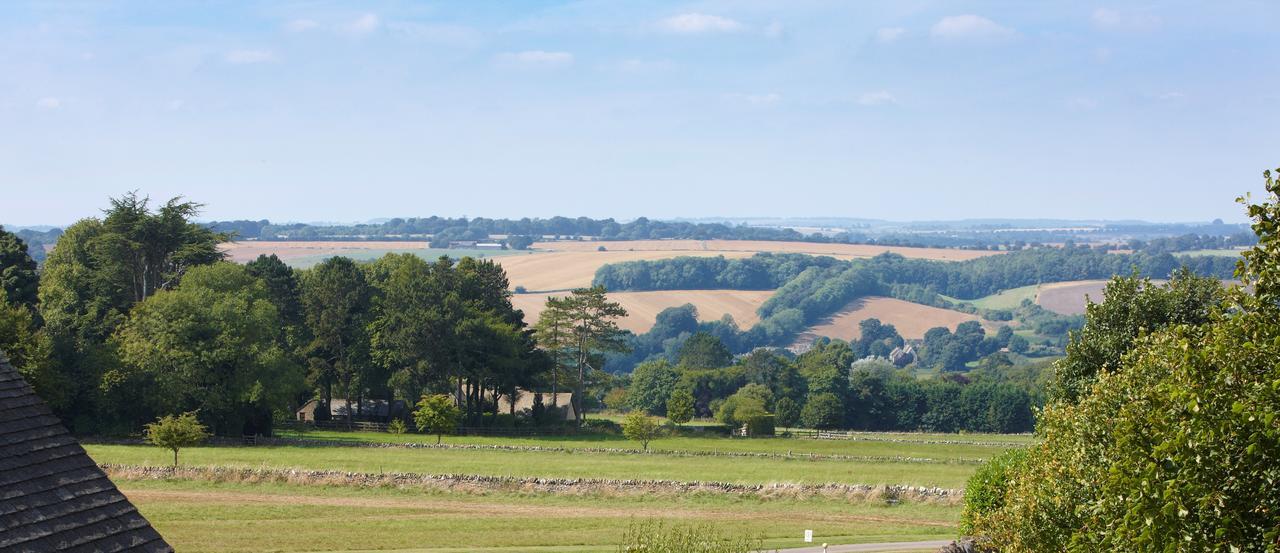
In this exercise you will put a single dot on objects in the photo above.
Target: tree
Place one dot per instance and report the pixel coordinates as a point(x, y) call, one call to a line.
point(30, 350)
point(176, 432)
point(641, 428)
point(1018, 344)
point(787, 412)
point(554, 335)
point(210, 345)
point(822, 411)
point(680, 406)
point(1172, 447)
point(704, 351)
point(336, 302)
point(437, 414)
point(616, 399)
point(18, 277)
point(594, 327)
point(284, 291)
point(651, 384)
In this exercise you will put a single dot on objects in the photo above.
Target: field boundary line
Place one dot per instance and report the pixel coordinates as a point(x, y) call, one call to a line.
point(476, 482)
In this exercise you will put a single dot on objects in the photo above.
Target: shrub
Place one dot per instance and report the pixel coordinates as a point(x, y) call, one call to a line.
point(641, 428)
point(602, 426)
point(822, 411)
point(396, 426)
point(656, 537)
point(174, 433)
point(985, 491)
point(437, 414)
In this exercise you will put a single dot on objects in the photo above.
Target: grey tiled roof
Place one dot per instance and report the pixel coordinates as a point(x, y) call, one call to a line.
point(53, 497)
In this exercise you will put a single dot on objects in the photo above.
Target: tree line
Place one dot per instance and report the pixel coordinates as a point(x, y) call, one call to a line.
point(135, 314)
point(828, 388)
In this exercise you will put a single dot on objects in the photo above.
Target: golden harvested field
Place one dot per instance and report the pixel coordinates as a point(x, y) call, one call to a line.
point(643, 307)
point(911, 319)
point(549, 271)
point(842, 251)
point(1068, 298)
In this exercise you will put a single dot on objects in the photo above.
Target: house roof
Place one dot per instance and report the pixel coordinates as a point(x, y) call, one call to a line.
point(53, 497)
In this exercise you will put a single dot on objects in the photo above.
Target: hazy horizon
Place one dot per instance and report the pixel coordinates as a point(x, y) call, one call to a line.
point(926, 111)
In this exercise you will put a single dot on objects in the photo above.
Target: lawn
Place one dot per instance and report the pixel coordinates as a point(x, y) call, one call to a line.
point(1004, 299)
point(551, 464)
point(197, 516)
point(917, 445)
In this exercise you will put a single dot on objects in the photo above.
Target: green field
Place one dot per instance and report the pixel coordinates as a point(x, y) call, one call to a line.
point(960, 446)
point(197, 516)
point(621, 466)
point(1004, 299)
point(430, 254)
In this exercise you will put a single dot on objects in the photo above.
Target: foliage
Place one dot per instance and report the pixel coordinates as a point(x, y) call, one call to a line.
point(1174, 446)
point(1132, 307)
point(617, 399)
point(18, 278)
point(211, 344)
point(787, 412)
point(680, 406)
point(397, 426)
point(704, 351)
point(822, 411)
point(641, 428)
point(30, 350)
point(651, 384)
point(176, 432)
point(985, 492)
point(656, 537)
point(437, 414)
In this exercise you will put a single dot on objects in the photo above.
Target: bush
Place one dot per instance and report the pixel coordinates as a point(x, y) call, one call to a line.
point(641, 428)
point(602, 426)
point(656, 537)
point(680, 407)
point(986, 489)
point(396, 426)
point(176, 432)
point(822, 411)
point(787, 412)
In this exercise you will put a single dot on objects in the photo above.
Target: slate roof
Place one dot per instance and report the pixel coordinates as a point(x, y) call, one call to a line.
point(53, 497)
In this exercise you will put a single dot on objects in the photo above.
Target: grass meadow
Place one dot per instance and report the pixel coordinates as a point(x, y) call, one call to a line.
point(198, 516)
point(213, 514)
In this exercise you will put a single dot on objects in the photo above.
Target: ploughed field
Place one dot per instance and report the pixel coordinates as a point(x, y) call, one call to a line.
point(573, 493)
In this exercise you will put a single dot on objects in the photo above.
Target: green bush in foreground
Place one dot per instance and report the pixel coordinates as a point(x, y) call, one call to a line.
point(641, 428)
point(1176, 448)
point(985, 491)
point(656, 537)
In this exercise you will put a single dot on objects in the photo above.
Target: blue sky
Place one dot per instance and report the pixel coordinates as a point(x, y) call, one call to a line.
point(907, 109)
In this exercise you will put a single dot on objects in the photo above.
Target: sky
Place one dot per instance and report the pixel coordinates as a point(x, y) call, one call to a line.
point(902, 110)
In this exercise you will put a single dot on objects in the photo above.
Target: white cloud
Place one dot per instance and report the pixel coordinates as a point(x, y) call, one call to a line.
point(301, 25)
point(364, 24)
point(637, 65)
point(48, 102)
point(694, 23)
point(538, 58)
point(889, 34)
point(1109, 19)
point(242, 57)
point(877, 98)
point(969, 26)
point(763, 99)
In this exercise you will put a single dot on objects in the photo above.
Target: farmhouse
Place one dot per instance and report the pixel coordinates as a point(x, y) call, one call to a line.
point(55, 497)
point(373, 410)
